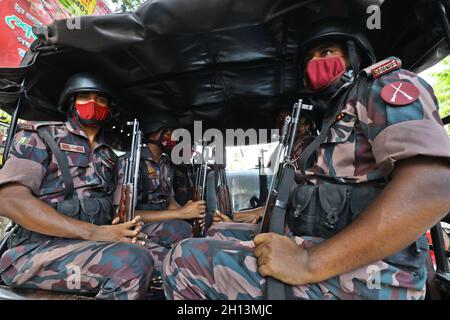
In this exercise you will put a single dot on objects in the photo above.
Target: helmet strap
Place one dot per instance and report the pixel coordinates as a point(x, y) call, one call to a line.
point(353, 55)
point(335, 89)
point(159, 141)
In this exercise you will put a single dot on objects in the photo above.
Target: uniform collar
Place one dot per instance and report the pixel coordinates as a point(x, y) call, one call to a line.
point(75, 128)
point(146, 154)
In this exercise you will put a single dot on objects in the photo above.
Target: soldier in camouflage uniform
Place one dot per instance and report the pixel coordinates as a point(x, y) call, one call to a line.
point(377, 178)
point(57, 186)
point(183, 183)
point(156, 205)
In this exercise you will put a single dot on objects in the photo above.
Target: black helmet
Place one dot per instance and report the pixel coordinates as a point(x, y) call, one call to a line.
point(82, 82)
point(341, 29)
point(158, 120)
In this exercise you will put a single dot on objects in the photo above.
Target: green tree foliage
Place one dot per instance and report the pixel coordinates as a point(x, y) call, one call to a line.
point(442, 88)
point(3, 224)
point(128, 5)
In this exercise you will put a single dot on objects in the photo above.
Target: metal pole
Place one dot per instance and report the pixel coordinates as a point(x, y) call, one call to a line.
point(13, 126)
point(440, 252)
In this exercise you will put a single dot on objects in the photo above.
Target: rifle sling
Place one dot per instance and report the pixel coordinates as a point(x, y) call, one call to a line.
point(277, 290)
point(61, 159)
point(145, 180)
point(313, 148)
point(216, 175)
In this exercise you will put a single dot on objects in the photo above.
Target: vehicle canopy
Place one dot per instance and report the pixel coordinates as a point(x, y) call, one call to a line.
point(230, 63)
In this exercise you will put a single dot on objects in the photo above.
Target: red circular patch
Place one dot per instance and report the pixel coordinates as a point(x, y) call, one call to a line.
point(400, 93)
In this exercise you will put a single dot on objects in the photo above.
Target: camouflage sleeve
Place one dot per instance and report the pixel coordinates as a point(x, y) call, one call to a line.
point(27, 162)
point(120, 167)
point(405, 131)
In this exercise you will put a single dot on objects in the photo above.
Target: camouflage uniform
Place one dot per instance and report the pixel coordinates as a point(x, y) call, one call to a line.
point(155, 191)
point(362, 145)
point(107, 270)
point(183, 183)
point(233, 230)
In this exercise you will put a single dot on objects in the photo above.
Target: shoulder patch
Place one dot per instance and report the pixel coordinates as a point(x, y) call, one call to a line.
point(26, 126)
point(400, 93)
point(48, 123)
point(385, 68)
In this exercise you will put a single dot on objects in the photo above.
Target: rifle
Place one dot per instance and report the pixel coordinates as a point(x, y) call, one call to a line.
point(128, 196)
point(223, 196)
point(280, 189)
point(198, 231)
point(257, 202)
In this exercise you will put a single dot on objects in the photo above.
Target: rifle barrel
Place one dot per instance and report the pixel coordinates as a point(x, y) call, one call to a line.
point(294, 125)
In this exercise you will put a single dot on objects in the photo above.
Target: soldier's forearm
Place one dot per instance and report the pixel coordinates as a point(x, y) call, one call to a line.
point(416, 198)
point(18, 204)
point(149, 216)
point(173, 204)
point(244, 215)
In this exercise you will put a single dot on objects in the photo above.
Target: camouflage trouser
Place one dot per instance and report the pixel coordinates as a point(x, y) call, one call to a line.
point(233, 231)
point(163, 236)
point(107, 270)
point(227, 269)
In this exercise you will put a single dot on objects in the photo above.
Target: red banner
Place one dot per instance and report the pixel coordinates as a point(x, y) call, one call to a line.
point(17, 17)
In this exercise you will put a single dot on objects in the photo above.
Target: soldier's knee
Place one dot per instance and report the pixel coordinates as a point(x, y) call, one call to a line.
point(183, 228)
point(173, 263)
point(136, 263)
point(140, 258)
point(173, 231)
point(132, 268)
point(184, 253)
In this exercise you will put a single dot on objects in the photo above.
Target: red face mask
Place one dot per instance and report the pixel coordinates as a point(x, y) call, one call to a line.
point(320, 73)
point(92, 111)
point(168, 144)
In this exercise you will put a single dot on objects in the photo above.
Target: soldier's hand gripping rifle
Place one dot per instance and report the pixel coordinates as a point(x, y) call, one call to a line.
point(199, 191)
point(280, 189)
point(128, 196)
point(223, 196)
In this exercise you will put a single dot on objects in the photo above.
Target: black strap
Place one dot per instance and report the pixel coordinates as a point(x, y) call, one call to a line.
point(145, 180)
point(353, 55)
point(61, 159)
point(278, 218)
point(313, 147)
point(276, 290)
point(216, 175)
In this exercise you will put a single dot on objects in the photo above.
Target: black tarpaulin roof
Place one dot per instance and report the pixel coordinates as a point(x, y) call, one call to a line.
point(226, 62)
